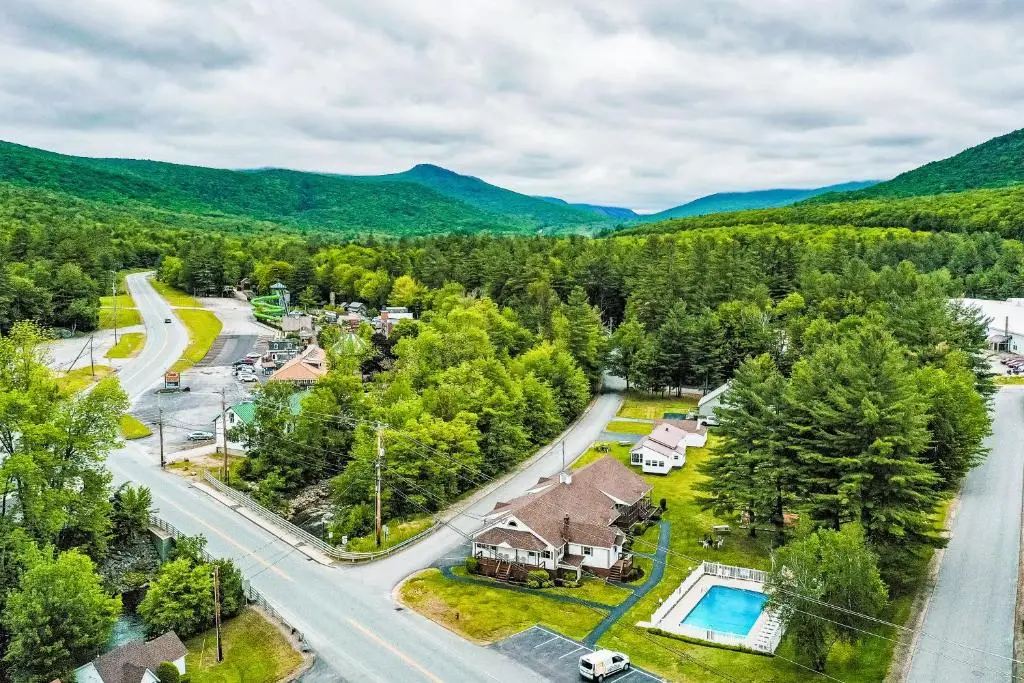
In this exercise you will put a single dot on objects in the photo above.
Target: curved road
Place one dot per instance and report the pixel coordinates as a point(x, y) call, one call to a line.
point(346, 613)
point(974, 598)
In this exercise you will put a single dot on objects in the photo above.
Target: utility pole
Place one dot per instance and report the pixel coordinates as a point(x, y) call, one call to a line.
point(92, 363)
point(224, 433)
point(563, 454)
point(160, 428)
point(378, 463)
point(216, 610)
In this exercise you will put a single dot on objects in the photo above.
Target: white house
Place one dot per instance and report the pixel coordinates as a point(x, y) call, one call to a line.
point(708, 402)
point(135, 662)
point(661, 450)
point(570, 524)
point(244, 414)
point(1005, 321)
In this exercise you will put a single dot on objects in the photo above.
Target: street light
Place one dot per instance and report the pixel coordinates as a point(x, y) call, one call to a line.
point(113, 292)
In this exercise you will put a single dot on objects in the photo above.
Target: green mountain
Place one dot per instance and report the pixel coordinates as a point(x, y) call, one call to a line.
point(998, 162)
point(424, 200)
point(491, 198)
point(614, 212)
point(741, 201)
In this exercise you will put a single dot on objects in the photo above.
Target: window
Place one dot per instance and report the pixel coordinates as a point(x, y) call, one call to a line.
point(546, 554)
point(512, 522)
point(587, 550)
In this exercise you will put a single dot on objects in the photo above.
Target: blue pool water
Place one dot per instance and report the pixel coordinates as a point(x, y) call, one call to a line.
point(728, 610)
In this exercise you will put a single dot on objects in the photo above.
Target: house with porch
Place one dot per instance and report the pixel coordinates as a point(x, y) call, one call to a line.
point(661, 450)
point(569, 525)
point(305, 369)
point(243, 414)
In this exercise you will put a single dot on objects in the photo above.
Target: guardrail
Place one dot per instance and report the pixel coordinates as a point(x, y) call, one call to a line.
point(252, 595)
point(304, 536)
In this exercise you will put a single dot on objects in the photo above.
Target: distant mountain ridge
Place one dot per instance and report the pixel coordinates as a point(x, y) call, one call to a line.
point(998, 162)
point(617, 212)
point(421, 201)
point(722, 202)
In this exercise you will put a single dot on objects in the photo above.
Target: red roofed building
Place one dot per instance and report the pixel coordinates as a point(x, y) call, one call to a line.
point(572, 524)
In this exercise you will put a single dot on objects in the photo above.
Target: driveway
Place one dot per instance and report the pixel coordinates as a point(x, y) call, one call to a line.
point(974, 598)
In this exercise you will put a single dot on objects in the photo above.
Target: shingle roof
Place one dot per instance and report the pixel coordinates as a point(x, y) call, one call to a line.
point(648, 442)
point(588, 501)
point(128, 663)
point(691, 426)
point(513, 537)
point(309, 366)
point(711, 395)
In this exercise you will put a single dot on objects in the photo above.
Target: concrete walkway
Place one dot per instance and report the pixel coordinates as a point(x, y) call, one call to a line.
point(657, 572)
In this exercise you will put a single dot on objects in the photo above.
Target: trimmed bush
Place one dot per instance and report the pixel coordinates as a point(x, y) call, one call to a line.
point(569, 583)
point(472, 565)
point(637, 529)
point(706, 643)
point(538, 576)
point(663, 504)
point(168, 673)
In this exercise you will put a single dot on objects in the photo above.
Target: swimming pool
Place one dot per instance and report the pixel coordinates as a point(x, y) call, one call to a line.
point(727, 610)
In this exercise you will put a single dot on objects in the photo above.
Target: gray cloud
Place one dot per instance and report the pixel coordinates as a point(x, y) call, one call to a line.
point(645, 104)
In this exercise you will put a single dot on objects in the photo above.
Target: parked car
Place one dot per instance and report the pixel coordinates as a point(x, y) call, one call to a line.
point(167, 320)
point(255, 355)
point(199, 436)
point(247, 377)
point(596, 666)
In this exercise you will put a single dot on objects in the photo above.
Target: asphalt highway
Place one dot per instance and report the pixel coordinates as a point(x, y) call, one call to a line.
point(971, 612)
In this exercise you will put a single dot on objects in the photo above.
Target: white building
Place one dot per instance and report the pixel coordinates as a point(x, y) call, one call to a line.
point(708, 402)
point(661, 450)
point(1005, 322)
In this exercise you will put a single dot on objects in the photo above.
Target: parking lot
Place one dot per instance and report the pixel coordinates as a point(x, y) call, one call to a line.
point(557, 657)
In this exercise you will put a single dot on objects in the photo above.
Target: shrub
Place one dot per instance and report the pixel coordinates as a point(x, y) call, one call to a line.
point(570, 583)
point(472, 565)
point(663, 504)
point(168, 673)
point(637, 529)
point(539, 577)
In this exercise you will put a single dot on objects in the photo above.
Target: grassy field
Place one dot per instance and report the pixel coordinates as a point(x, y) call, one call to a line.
point(866, 661)
point(127, 314)
point(1009, 379)
point(489, 614)
point(594, 590)
point(653, 407)
point(80, 378)
point(620, 427)
point(203, 327)
point(132, 428)
point(255, 651)
point(128, 345)
point(400, 531)
point(174, 297)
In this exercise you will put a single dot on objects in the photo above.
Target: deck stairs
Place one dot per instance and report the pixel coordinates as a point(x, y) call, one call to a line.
point(503, 572)
point(768, 637)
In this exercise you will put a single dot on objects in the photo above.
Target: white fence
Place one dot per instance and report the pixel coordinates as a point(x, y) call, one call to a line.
point(727, 571)
point(304, 536)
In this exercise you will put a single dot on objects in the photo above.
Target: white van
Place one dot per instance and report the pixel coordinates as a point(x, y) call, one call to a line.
point(596, 666)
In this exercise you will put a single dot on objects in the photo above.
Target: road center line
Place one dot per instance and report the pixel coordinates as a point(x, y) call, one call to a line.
point(395, 651)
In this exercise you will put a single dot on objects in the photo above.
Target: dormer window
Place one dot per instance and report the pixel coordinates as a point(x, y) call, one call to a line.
point(512, 522)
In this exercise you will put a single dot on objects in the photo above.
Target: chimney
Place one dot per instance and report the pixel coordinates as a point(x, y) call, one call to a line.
point(564, 478)
point(565, 528)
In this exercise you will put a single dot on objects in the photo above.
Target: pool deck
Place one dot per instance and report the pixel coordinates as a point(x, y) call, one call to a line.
point(672, 621)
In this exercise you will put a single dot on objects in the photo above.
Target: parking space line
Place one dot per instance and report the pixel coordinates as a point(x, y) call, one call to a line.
point(545, 642)
point(575, 649)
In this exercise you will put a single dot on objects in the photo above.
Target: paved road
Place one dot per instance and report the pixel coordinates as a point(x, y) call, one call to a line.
point(973, 600)
point(353, 624)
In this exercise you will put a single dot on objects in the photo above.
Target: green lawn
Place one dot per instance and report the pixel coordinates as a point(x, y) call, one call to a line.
point(653, 406)
point(867, 661)
point(255, 651)
point(127, 315)
point(80, 378)
point(620, 427)
point(132, 428)
point(203, 327)
point(1009, 379)
point(174, 297)
point(128, 345)
point(488, 614)
point(400, 531)
point(594, 590)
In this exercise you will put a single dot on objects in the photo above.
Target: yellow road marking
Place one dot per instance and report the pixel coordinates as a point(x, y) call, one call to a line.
point(401, 655)
point(246, 551)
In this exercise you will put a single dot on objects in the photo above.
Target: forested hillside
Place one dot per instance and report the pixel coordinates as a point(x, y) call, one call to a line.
point(998, 162)
point(994, 210)
point(309, 202)
point(739, 201)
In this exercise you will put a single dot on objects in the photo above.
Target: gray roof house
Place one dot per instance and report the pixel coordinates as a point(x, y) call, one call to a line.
point(708, 402)
point(135, 662)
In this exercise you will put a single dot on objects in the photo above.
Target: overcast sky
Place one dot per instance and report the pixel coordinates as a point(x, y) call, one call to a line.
point(639, 103)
